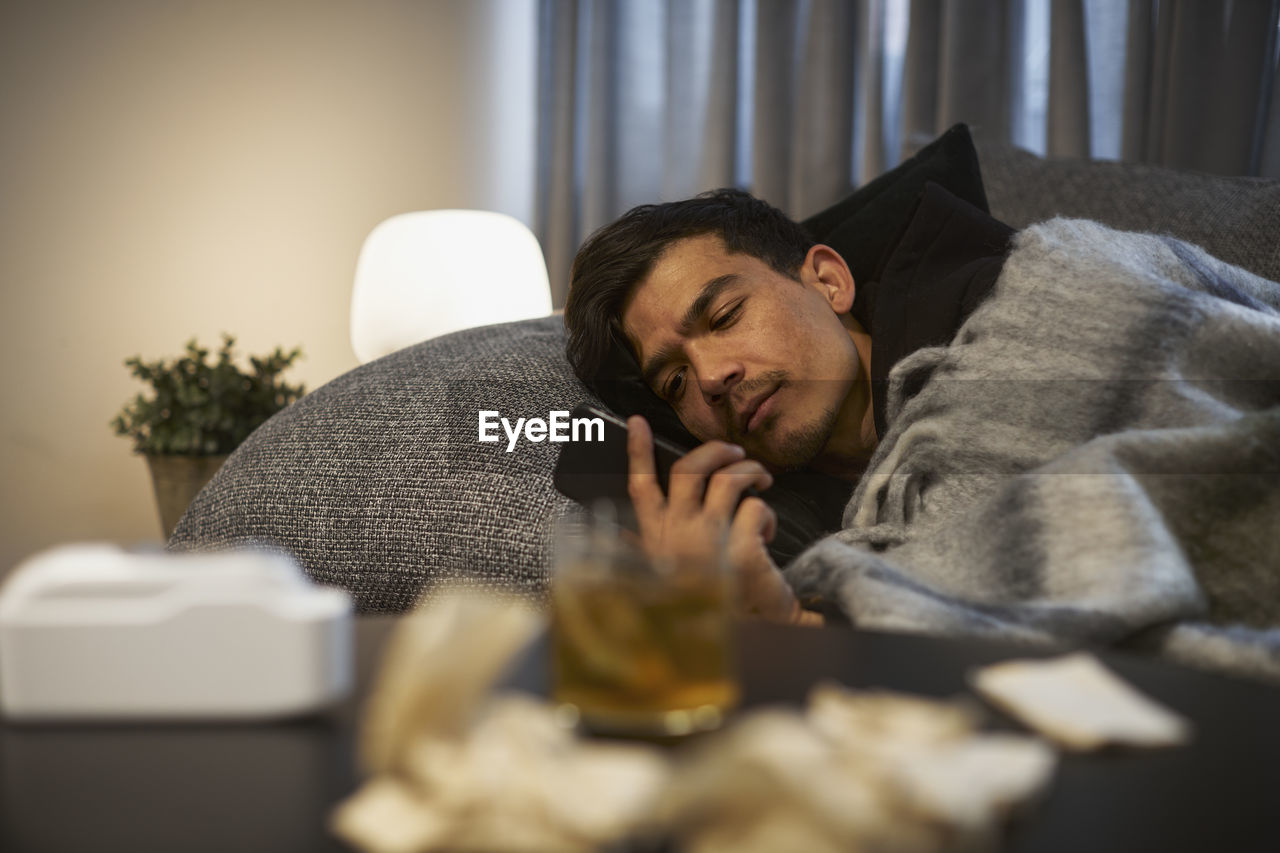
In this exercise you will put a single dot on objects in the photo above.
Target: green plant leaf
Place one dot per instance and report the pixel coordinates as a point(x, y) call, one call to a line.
point(202, 408)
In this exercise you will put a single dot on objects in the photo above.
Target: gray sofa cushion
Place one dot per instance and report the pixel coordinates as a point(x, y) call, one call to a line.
point(1236, 219)
point(376, 482)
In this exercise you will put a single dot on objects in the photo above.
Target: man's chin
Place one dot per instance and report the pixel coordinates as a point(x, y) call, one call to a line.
point(781, 449)
point(782, 464)
point(792, 450)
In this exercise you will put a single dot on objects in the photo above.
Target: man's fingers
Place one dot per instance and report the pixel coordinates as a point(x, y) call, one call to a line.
point(754, 518)
point(688, 483)
point(762, 591)
point(642, 476)
point(726, 486)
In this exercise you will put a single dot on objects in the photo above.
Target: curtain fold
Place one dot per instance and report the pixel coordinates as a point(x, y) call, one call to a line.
point(801, 100)
point(816, 100)
point(1217, 78)
point(700, 146)
point(1068, 130)
point(557, 196)
point(974, 68)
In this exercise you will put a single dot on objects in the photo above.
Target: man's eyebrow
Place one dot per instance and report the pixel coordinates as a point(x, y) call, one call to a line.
point(697, 309)
point(702, 304)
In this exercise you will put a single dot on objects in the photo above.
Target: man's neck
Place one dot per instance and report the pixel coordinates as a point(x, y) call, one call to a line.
point(854, 439)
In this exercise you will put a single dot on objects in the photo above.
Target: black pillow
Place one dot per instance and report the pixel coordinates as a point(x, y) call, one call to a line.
point(862, 226)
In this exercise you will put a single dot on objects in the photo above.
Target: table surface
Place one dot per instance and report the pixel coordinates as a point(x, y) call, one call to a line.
point(141, 788)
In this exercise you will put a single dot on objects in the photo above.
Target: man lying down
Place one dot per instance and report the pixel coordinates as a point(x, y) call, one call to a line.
point(1067, 434)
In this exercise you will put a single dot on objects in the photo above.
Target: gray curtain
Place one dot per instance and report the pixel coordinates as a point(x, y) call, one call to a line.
point(802, 100)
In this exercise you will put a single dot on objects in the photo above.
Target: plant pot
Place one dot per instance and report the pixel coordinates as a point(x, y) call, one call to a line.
point(177, 480)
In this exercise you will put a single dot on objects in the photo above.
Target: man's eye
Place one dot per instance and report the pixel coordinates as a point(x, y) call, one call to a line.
point(727, 317)
point(674, 386)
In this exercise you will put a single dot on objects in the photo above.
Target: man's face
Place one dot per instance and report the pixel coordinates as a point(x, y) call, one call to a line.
point(744, 353)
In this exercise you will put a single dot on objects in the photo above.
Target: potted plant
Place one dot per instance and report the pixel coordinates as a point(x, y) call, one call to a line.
point(197, 413)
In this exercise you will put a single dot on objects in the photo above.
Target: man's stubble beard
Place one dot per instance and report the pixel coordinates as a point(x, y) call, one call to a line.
point(794, 449)
point(800, 446)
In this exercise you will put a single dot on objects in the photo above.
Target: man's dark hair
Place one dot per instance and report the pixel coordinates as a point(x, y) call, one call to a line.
point(618, 256)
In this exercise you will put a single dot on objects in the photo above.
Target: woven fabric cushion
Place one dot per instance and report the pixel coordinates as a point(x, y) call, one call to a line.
point(1236, 219)
point(377, 482)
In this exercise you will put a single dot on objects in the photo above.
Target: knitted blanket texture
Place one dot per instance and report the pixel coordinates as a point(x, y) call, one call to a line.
point(1095, 459)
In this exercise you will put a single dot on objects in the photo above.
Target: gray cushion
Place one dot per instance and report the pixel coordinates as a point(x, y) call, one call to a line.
point(1236, 219)
point(376, 482)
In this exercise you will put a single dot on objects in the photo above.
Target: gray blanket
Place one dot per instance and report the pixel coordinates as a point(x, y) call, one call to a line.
point(1095, 459)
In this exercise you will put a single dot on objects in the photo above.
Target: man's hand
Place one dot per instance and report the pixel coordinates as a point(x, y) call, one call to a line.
point(701, 515)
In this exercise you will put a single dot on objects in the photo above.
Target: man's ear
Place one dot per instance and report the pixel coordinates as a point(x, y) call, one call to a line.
point(826, 270)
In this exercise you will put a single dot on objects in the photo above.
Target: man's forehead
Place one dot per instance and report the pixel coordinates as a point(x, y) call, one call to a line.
point(677, 276)
point(673, 300)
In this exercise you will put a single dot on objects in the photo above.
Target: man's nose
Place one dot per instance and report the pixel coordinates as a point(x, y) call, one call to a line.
point(717, 373)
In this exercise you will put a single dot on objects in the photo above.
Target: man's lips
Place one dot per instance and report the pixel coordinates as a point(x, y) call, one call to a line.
point(756, 410)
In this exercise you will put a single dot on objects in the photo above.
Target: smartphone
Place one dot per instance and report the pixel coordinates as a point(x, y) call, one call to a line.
point(594, 468)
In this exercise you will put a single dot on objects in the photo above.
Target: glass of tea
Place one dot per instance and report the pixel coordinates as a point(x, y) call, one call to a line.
point(640, 647)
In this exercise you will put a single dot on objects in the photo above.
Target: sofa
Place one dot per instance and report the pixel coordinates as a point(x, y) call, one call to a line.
point(377, 482)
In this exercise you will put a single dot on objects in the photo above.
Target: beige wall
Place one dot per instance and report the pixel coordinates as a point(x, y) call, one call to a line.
point(170, 169)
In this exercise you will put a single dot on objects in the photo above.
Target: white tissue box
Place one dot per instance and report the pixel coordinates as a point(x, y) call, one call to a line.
point(93, 631)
